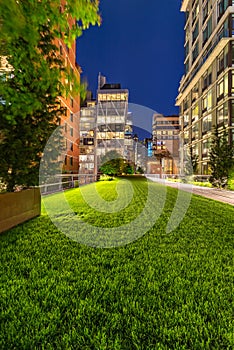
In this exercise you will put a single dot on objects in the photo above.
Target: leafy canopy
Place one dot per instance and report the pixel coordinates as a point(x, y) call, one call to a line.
point(114, 164)
point(33, 78)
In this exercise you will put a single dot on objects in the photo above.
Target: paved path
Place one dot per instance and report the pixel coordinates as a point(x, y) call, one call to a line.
point(213, 193)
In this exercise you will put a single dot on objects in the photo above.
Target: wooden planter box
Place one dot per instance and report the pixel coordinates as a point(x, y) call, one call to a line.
point(19, 207)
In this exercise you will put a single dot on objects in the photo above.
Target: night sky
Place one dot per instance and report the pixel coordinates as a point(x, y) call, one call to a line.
point(140, 45)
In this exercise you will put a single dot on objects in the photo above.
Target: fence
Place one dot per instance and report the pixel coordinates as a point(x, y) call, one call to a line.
point(66, 181)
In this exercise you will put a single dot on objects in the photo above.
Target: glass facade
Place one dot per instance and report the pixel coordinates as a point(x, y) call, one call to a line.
point(112, 115)
point(206, 93)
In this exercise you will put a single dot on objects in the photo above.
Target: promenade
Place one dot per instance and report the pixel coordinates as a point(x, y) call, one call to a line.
point(220, 195)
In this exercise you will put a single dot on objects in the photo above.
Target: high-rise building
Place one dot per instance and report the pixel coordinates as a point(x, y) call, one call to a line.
point(71, 103)
point(111, 121)
point(206, 92)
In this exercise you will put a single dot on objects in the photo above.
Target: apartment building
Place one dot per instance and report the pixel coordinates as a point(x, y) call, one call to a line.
point(71, 103)
point(206, 92)
point(165, 130)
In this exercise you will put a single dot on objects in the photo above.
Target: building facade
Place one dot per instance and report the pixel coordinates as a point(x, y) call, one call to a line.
point(70, 103)
point(206, 92)
point(111, 120)
point(87, 138)
point(165, 130)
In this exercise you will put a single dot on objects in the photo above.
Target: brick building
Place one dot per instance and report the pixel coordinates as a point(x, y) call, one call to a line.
point(70, 120)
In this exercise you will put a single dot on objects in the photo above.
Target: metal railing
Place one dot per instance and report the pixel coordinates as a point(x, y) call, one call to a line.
point(66, 181)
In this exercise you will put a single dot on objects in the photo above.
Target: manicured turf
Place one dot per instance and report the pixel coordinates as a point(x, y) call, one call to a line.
point(162, 291)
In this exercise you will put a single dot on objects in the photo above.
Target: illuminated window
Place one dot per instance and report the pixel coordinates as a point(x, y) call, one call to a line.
point(195, 112)
point(209, 100)
point(220, 89)
point(207, 123)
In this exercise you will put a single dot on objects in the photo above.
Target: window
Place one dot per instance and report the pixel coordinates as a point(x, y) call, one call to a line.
point(195, 112)
point(195, 12)
point(222, 87)
point(71, 161)
point(205, 147)
point(196, 31)
point(222, 115)
point(232, 83)
point(220, 90)
point(226, 85)
point(207, 79)
point(222, 6)
point(222, 61)
point(233, 115)
point(206, 9)
point(186, 67)
point(187, 49)
point(205, 12)
point(204, 103)
point(71, 131)
point(71, 146)
point(186, 103)
point(207, 31)
point(71, 117)
point(207, 124)
point(209, 100)
point(232, 53)
point(195, 131)
point(89, 141)
point(71, 102)
point(195, 149)
point(195, 52)
point(186, 120)
point(195, 94)
point(232, 23)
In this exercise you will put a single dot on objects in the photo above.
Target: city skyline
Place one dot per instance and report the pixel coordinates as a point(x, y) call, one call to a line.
point(140, 47)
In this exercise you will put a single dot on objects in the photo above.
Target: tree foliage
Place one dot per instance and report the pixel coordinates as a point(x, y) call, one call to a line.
point(113, 164)
point(33, 79)
point(221, 158)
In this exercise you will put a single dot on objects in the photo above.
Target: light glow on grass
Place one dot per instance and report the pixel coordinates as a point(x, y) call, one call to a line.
point(162, 291)
point(128, 216)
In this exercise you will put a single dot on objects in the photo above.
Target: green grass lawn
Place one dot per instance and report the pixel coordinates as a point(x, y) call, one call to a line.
point(161, 291)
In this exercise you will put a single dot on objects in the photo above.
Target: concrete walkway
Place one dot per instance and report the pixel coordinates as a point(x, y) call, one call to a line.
point(213, 193)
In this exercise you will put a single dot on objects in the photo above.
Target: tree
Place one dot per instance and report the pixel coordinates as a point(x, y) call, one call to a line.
point(128, 169)
point(34, 79)
point(140, 170)
point(221, 158)
point(113, 167)
point(114, 164)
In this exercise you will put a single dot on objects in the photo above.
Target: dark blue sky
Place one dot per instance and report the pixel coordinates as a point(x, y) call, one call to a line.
point(140, 45)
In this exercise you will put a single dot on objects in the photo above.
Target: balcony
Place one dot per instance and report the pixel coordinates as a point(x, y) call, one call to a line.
point(219, 37)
